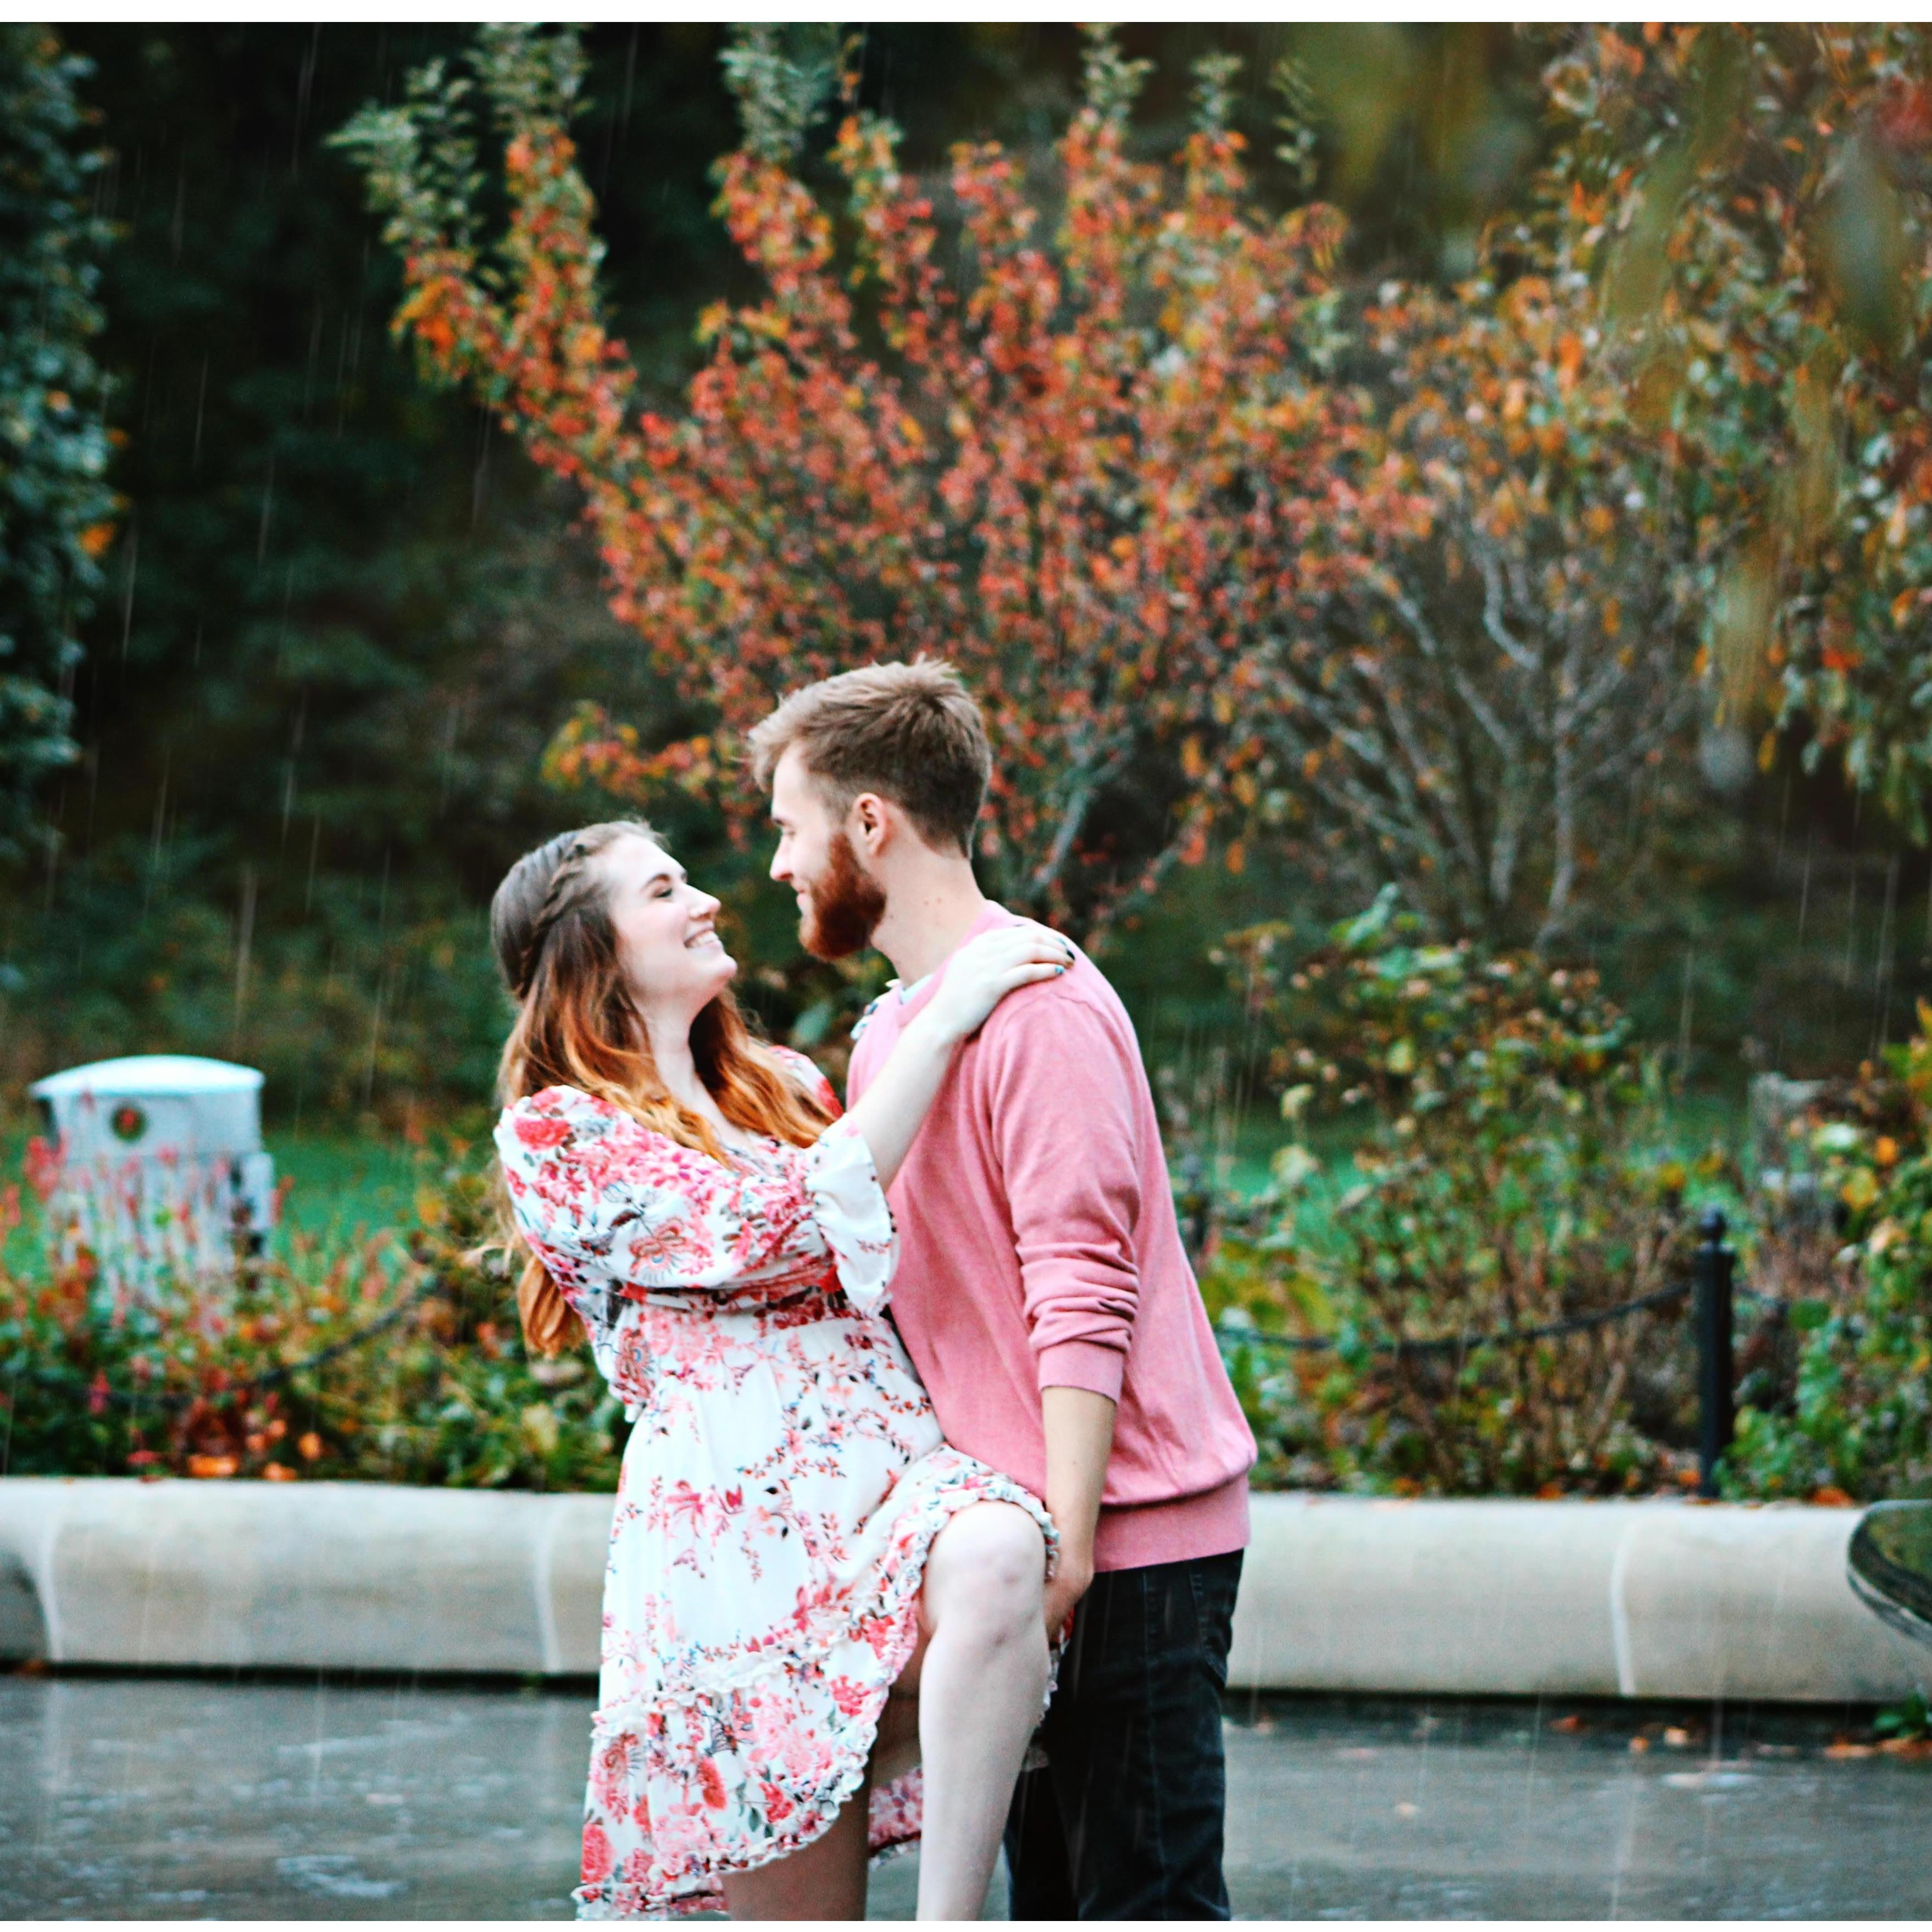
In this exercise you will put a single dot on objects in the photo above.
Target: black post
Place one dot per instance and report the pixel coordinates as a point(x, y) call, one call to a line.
point(1714, 1261)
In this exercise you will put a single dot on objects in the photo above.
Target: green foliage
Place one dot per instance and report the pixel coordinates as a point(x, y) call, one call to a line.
point(342, 618)
point(1857, 1419)
point(1296, 123)
point(1911, 1720)
point(55, 505)
point(407, 1364)
point(382, 1004)
point(1502, 1183)
point(782, 76)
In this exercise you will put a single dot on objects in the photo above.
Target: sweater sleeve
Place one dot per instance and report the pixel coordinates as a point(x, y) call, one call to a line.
point(1063, 1129)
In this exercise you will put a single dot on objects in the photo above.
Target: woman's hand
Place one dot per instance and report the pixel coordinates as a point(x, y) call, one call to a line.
point(978, 977)
point(985, 970)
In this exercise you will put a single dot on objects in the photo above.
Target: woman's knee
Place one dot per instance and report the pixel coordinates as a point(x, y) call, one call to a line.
point(989, 1564)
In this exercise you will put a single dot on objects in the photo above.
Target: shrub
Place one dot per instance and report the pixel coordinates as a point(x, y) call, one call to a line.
point(1501, 1184)
point(1853, 1417)
point(368, 1356)
point(56, 510)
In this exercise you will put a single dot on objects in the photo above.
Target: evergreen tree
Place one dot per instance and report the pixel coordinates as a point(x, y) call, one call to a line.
point(54, 505)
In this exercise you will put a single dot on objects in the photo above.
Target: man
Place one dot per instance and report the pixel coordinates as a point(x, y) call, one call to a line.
point(1043, 1294)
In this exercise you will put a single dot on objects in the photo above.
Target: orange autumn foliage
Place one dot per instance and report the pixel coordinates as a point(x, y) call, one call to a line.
point(1099, 467)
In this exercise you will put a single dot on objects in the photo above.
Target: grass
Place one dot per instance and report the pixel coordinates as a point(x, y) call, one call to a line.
point(339, 1182)
point(1244, 1145)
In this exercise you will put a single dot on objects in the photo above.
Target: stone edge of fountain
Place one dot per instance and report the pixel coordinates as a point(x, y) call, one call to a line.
point(1502, 1597)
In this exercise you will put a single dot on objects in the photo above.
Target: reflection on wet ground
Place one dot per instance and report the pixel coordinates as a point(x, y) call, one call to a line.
point(182, 1798)
point(1385, 1810)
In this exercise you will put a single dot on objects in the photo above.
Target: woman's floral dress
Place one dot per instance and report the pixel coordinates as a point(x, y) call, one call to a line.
point(784, 1480)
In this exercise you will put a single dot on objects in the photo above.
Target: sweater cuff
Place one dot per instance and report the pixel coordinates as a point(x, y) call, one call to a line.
point(1082, 1365)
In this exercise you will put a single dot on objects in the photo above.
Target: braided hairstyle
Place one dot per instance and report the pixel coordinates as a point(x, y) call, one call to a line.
point(577, 1026)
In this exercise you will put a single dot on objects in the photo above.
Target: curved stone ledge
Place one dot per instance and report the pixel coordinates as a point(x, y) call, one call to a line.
point(340, 1575)
point(1653, 1599)
point(1504, 1598)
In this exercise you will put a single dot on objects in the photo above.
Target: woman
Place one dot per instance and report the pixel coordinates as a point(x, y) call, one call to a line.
point(796, 1555)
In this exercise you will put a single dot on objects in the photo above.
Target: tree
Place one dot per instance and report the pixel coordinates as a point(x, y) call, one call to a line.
point(341, 618)
point(55, 509)
point(1757, 203)
point(1100, 472)
point(1477, 703)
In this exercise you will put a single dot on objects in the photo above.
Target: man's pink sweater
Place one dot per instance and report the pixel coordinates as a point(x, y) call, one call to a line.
point(1038, 1248)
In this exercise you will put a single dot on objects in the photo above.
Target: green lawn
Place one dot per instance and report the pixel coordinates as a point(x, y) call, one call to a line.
point(342, 1181)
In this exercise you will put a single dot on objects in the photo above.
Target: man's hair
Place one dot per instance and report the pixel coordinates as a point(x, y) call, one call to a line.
point(909, 732)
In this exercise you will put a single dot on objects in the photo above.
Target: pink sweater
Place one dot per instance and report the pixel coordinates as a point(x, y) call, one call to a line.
point(1039, 1250)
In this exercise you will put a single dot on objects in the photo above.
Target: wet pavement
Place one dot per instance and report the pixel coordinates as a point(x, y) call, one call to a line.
point(163, 1797)
point(1360, 1809)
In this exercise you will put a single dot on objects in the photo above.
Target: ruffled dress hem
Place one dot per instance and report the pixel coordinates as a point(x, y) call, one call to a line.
point(894, 1823)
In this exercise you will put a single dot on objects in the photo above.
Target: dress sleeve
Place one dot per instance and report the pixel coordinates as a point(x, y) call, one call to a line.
point(809, 1076)
point(850, 1209)
point(847, 1201)
point(602, 1198)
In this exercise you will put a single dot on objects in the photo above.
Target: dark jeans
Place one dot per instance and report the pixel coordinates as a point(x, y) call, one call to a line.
point(1125, 1820)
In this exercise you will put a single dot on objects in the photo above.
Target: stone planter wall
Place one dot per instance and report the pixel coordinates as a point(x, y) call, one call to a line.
point(1505, 1598)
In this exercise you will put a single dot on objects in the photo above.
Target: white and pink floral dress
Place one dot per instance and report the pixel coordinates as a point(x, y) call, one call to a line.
point(784, 1480)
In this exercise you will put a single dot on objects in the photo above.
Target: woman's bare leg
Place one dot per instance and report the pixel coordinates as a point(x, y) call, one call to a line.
point(975, 1681)
point(826, 1879)
point(981, 1677)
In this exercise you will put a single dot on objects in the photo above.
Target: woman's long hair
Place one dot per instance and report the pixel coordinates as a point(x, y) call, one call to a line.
point(576, 1026)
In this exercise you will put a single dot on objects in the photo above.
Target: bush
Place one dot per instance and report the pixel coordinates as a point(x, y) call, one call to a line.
point(1503, 1180)
point(1852, 1418)
point(369, 1357)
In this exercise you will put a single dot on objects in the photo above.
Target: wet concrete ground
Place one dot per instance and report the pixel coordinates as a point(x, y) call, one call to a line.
point(172, 1797)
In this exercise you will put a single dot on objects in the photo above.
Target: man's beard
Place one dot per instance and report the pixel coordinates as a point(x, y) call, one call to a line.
point(843, 909)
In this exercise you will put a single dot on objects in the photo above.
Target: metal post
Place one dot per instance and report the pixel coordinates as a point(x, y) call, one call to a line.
point(1713, 1265)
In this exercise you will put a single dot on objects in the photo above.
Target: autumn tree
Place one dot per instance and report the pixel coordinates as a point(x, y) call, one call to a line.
point(1755, 204)
point(1099, 462)
point(1474, 707)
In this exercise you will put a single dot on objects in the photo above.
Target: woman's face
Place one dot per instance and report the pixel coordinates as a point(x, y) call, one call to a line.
point(667, 937)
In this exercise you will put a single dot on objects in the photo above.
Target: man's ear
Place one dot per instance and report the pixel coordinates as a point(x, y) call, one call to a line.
point(869, 823)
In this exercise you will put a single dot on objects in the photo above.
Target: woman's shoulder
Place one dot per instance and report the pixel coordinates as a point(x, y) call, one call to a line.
point(806, 1074)
point(554, 1115)
point(558, 1102)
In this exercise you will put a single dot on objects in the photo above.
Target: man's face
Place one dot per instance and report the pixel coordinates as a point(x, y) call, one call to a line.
point(839, 904)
